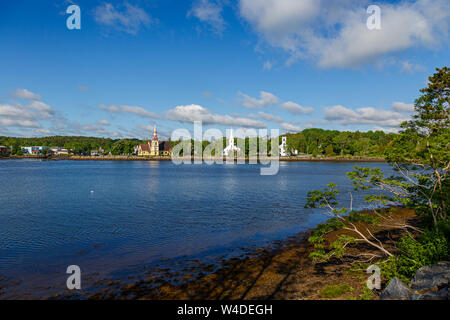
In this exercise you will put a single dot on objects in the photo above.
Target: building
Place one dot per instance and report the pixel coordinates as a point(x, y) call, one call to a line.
point(33, 150)
point(283, 147)
point(230, 147)
point(4, 151)
point(58, 151)
point(154, 147)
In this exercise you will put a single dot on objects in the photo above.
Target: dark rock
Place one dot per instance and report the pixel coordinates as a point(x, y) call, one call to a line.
point(431, 276)
point(396, 290)
point(429, 283)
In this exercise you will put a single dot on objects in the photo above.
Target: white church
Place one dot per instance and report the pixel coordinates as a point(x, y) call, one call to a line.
point(230, 147)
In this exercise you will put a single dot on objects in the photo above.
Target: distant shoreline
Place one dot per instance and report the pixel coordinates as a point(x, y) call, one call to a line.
point(137, 158)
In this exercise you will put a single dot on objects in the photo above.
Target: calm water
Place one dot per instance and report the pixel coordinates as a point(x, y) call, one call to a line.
point(104, 216)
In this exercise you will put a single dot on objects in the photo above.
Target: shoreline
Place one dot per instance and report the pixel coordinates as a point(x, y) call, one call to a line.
point(282, 270)
point(138, 158)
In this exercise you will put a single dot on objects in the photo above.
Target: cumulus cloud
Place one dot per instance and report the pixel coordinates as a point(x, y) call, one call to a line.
point(208, 12)
point(402, 107)
point(290, 127)
point(127, 18)
point(265, 99)
point(194, 112)
point(295, 108)
point(269, 117)
point(25, 115)
point(11, 122)
point(334, 33)
point(25, 94)
point(129, 109)
point(366, 115)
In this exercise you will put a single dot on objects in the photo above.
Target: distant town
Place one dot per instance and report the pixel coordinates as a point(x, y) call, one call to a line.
point(309, 143)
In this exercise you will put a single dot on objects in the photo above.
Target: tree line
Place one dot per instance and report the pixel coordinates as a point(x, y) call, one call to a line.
point(309, 141)
point(76, 144)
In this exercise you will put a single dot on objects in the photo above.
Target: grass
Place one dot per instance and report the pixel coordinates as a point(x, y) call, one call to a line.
point(334, 291)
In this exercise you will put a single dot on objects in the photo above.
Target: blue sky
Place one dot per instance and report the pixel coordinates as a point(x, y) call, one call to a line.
point(287, 64)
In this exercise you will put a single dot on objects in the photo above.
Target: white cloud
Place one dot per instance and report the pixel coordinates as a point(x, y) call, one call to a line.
point(402, 107)
point(265, 99)
point(42, 131)
point(44, 110)
point(129, 109)
point(19, 115)
point(194, 112)
point(366, 115)
point(131, 19)
point(334, 33)
point(103, 122)
point(290, 127)
point(295, 108)
point(208, 12)
point(9, 122)
point(269, 117)
point(25, 94)
point(408, 67)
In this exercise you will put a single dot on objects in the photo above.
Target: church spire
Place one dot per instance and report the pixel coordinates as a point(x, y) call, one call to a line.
point(155, 137)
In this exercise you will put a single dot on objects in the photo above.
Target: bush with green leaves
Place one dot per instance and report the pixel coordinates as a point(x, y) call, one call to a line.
point(413, 254)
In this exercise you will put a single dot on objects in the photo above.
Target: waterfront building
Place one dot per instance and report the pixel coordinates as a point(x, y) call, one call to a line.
point(154, 147)
point(230, 147)
point(283, 147)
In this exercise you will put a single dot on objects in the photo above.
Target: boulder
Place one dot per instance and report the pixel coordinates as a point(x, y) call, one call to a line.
point(431, 276)
point(396, 290)
point(429, 283)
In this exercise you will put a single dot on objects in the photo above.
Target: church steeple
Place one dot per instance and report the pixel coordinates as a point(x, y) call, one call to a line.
point(155, 137)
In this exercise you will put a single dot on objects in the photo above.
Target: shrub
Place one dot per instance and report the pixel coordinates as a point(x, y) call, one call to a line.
point(413, 254)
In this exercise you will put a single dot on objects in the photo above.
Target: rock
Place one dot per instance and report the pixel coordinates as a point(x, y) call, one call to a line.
point(431, 276)
point(429, 283)
point(396, 290)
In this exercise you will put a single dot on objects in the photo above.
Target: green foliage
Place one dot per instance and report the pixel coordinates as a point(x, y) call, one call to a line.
point(365, 217)
point(414, 254)
point(335, 291)
point(334, 249)
point(366, 294)
point(422, 149)
point(332, 142)
point(320, 199)
point(77, 144)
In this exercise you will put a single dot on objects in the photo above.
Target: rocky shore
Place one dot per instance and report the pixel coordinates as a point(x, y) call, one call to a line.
point(282, 271)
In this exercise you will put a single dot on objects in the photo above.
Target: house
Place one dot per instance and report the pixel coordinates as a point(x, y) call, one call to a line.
point(154, 147)
point(94, 152)
point(4, 151)
point(33, 150)
point(58, 151)
point(165, 148)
